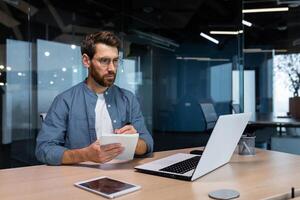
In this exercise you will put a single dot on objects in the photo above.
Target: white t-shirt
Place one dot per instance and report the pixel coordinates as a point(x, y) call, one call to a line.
point(103, 123)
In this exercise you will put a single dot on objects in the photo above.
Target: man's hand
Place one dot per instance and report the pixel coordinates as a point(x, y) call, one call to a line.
point(141, 147)
point(95, 153)
point(127, 129)
point(103, 153)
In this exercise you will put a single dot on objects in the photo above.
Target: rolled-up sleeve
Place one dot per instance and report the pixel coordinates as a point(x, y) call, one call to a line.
point(138, 122)
point(51, 138)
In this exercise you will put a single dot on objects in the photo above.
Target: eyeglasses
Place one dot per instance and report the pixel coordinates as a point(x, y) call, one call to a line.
point(106, 61)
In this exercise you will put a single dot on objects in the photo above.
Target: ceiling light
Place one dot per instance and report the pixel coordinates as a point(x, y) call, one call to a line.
point(224, 32)
point(8, 68)
point(246, 23)
point(1, 84)
point(64, 69)
point(19, 74)
point(47, 53)
point(259, 10)
point(2, 67)
point(73, 46)
point(209, 38)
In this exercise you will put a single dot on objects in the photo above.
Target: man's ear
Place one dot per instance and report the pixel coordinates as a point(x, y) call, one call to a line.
point(86, 60)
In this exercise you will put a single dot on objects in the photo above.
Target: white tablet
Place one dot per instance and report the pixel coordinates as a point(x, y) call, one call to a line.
point(128, 141)
point(107, 187)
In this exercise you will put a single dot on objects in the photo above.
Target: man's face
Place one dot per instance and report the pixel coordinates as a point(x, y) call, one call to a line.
point(103, 66)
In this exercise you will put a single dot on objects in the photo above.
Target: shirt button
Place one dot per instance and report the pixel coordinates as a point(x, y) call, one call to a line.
point(115, 121)
point(106, 93)
point(109, 105)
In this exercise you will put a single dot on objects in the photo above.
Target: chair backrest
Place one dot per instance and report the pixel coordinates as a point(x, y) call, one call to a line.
point(43, 116)
point(236, 108)
point(210, 115)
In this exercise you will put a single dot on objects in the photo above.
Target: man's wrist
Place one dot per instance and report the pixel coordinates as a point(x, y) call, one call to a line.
point(141, 147)
point(75, 156)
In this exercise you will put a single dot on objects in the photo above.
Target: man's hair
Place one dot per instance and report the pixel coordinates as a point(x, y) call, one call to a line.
point(105, 37)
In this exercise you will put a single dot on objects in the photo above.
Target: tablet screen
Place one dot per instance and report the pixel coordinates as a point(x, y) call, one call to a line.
point(107, 185)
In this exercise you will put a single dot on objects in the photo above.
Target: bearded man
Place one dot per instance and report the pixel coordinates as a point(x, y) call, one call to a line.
point(90, 109)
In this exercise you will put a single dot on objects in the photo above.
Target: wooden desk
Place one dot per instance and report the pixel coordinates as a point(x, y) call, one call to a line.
point(266, 174)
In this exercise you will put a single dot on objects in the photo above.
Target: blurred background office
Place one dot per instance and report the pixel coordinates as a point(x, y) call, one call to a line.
point(176, 56)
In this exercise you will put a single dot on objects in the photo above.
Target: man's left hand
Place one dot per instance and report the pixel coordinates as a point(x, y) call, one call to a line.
point(141, 147)
point(127, 129)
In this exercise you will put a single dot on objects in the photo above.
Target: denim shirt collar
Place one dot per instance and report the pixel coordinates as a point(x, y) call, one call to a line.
point(91, 92)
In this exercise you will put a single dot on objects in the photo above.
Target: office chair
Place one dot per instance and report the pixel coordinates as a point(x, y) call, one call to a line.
point(209, 114)
point(43, 116)
point(211, 118)
point(236, 108)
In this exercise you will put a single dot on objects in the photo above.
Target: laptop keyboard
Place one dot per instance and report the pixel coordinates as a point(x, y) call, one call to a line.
point(183, 166)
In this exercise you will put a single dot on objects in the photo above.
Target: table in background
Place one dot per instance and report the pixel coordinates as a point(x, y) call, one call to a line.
point(255, 177)
point(273, 120)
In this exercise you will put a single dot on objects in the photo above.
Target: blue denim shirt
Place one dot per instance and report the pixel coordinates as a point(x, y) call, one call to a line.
point(70, 121)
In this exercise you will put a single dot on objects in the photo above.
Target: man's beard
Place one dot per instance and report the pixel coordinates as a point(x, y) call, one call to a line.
point(104, 81)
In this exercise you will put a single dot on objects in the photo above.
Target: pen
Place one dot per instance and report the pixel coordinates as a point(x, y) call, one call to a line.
point(247, 147)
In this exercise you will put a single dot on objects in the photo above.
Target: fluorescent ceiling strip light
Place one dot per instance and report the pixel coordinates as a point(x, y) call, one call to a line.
point(246, 23)
point(259, 10)
point(224, 32)
point(202, 58)
point(209, 38)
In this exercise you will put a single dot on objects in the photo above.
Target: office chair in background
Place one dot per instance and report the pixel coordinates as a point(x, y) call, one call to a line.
point(211, 118)
point(210, 115)
point(43, 116)
point(236, 108)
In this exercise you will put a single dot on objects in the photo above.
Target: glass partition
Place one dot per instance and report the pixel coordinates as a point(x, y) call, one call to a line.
point(166, 61)
point(269, 36)
point(58, 68)
point(271, 46)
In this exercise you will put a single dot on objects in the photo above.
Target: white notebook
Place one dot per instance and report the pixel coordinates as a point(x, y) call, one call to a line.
point(128, 141)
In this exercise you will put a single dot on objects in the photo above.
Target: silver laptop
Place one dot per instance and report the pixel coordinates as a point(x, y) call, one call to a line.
point(218, 151)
